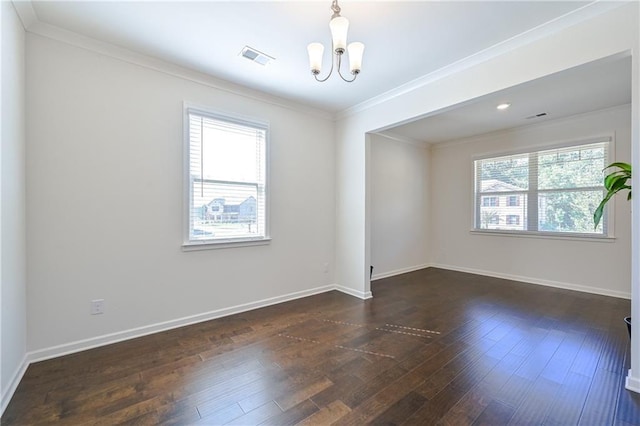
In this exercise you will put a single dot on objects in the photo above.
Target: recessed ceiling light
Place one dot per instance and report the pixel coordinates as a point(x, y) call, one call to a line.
point(503, 106)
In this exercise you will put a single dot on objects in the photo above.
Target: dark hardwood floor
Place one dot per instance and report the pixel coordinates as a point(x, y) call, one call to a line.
point(431, 347)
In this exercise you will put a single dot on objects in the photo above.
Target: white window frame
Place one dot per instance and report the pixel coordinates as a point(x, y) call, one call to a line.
point(207, 244)
point(609, 212)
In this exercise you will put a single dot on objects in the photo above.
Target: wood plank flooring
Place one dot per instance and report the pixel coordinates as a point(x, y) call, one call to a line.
point(431, 347)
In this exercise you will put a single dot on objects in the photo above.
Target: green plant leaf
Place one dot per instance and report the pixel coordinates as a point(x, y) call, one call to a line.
point(614, 182)
point(624, 166)
point(614, 179)
point(597, 215)
point(618, 184)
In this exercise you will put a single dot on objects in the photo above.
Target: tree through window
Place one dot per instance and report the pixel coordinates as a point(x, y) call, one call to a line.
point(554, 190)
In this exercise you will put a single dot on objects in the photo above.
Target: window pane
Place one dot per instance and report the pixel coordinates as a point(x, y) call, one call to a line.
point(553, 190)
point(227, 170)
point(568, 211)
point(230, 156)
point(576, 167)
point(504, 216)
point(510, 173)
point(224, 210)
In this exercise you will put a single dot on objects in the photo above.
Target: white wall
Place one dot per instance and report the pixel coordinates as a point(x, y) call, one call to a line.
point(540, 53)
point(13, 304)
point(104, 202)
point(399, 206)
point(352, 229)
point(593, 265)
point(633, 377)
point(610, 33)
point(108, 246)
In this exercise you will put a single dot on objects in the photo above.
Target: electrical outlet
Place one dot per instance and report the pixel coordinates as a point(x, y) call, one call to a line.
point(97, 307)
point(325, 268)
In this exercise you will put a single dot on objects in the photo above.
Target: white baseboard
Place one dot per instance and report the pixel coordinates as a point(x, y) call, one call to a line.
point(530, 280)
point(632, 383)
point(81, 345)
point(398, 271)
point(107, 339)
point(13, 384)
point(355, 293)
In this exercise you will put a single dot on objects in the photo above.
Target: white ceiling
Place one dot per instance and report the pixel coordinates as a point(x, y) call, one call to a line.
point(594, 86)
point(405, 41)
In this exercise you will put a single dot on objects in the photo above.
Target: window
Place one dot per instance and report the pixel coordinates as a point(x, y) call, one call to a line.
point(226, 179)
point(490, 201)
point(513, 219)
point(550, 191)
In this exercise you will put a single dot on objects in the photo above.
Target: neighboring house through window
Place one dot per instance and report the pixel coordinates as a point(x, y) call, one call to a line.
point(548, 191)
point(226, 179)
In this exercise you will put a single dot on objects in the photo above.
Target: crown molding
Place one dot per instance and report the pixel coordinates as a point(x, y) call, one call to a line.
point(26, 13)
point(32, 24)
point(589, 11)
point(402, 139)
point(528, 128)
point(37, 27)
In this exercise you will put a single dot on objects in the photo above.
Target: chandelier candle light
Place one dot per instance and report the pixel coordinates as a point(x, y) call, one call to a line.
point(339, 26)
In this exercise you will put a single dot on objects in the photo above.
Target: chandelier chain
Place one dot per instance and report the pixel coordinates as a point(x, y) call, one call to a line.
point(335, 8)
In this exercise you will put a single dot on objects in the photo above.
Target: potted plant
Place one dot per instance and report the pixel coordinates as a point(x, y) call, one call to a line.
point(615, 182)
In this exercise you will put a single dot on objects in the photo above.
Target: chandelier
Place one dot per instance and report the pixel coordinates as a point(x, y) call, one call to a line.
point(339, 26)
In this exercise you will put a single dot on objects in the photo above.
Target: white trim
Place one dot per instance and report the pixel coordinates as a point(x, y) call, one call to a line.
point(87, 43)
point(530, 128)
point(108, 339)
point(26, 13)
point(355, 293)
point(547, 29)
point(213, 245)
point(403, 139)
point(608, 222)
point(595, 238)
point(632, 383)
point(399, 271)
point(13, 384)
point(240, 120)
point(33, 25)
point(609, 137)
point(538, 281)
point(119, 336)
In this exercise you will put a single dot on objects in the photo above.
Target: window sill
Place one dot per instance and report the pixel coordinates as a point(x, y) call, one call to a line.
point(546, 235)
point(213, 245)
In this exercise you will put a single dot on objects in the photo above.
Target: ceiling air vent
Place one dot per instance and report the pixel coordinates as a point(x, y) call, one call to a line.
point(256, 56)
point(542, 114)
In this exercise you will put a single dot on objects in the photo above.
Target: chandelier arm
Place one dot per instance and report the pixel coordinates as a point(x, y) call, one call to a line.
point(335, 8)
point(340, 74)
point(322, 80)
